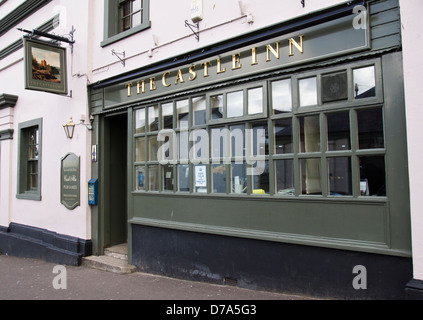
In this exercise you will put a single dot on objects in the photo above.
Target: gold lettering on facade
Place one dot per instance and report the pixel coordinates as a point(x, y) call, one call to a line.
point(254, 56)
point(275, 52)
point(165, 84)
point(140, 86)
point(179, 77)
point(153, 84)
point(294, 43)
point(236, 61)
point(129, 86)
point(206, 68)
point(271, 50)
point(219, 66)
point(193, 74)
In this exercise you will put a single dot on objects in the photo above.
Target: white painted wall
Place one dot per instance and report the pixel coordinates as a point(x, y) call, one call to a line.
point(412, 42)
point(55, 110)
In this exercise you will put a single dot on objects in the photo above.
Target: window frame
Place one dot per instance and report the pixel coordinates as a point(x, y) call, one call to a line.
point(295, 157)
point(112, 22)
point(23, 188)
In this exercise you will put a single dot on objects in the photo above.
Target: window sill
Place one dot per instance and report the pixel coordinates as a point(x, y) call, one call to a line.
point(29, 196)
point(124, 34)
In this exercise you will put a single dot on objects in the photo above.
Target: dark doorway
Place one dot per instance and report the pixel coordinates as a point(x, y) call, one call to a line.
point(116, 128)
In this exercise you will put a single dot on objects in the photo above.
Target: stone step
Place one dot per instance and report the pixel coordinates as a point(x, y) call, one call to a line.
point(119, 251)
point(115, 259)
point(108, 263)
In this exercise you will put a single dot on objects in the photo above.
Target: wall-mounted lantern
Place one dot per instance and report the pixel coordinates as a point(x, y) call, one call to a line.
point(69, 128)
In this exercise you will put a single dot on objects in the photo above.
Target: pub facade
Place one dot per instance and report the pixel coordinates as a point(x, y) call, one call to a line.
point(270, 154)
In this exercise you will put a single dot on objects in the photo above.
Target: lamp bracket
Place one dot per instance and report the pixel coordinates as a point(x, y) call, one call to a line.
point(192, 27)
point(119, 55)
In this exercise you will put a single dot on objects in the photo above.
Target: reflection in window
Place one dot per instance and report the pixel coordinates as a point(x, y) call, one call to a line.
point(216, 106)
point(309, 134)
point(235, 104)
point(261, 180)
point(237, 140)
point(238, 178)
point(199, 111)
point(338, 131)
point(153, 118)
point(310, 177)
point(308, 92)
point(140, 149)
point(260, 138)
point(168, 181)
point(167, 116)
point(372, 176)
point(255, 101)
point(153, 178)
point(284, 177)
point(281, 96)
point(370, 128)
point(183, 177)
point(153, 148)
point(219, 178)
point(219, 138)
point(364, 82)
point(340, 176)
point(182, 112)
point(283, 136)
point(140, 121)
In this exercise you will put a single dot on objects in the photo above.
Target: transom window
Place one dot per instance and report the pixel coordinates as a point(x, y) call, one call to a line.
point(317, 134)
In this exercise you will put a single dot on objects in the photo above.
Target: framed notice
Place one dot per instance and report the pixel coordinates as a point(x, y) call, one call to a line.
point(45, 67)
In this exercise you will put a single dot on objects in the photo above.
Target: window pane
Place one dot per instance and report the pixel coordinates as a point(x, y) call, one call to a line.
point(370, 128)
point(139, 177)
point(153, 148)
point(136, 19)
point(309, 134)
point(200, 178)
point(308, 92)
point(338, 131)
point(372, 176)
point(199, 110)
point(167, 116)
point(283, 136)
point(140, 149)
point(140, 121)
point(260, 138)
point(182, 111)
point(183, 145)
point(219, 145)
point(238, 178)
point(340, 176)
point(33, 175)
point(237, 140)
point(261, 180)
point(167, 174)
point(310, 176)
point(364, 82)
point(153, 178)
point(216, 105)
point(183, 177)
point(153, 118)
point(255, 101)
point(284, 177)
point(334, 87)
point(281, 96)
point(219, 178)
point(235, 104)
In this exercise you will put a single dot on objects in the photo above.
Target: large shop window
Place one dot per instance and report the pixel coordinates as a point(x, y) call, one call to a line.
point(124, 18)
point(29, 160)
point(317, 134)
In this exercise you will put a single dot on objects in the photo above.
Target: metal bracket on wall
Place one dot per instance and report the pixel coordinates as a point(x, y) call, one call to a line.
point(119, 55)
point(192, 26)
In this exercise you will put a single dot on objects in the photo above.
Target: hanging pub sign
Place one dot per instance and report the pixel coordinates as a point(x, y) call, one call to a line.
point(70, 181)
point(45, 67)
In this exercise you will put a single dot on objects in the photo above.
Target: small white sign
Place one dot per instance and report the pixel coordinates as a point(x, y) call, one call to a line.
point(196, 10)
point(200, 176)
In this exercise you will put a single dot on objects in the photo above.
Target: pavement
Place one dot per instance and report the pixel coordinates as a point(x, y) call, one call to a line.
point(32, 279)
